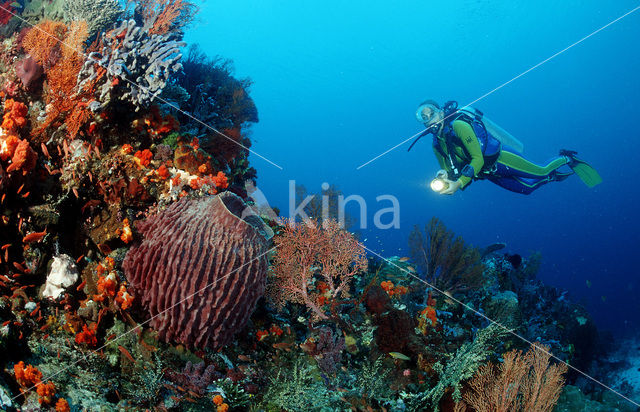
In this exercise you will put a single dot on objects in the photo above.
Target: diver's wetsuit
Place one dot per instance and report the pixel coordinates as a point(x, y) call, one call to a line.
point(509, 170)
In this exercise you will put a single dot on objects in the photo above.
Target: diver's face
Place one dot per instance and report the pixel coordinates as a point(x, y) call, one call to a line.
point(433, 115)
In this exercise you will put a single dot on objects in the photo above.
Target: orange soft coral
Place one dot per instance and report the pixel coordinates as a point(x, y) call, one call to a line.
point(126, 148)
point(46, 391)
point(88, 335)
point(62, 405)
point(24, 157)
point(427, 319)
point(143, 157)
point(106, 286)
point(26, 376)
point(125, 234)
point(8, 146)
point(221, 181)
point(15, 114)
point(163, 172)
point(124, 299)
point(218, 400)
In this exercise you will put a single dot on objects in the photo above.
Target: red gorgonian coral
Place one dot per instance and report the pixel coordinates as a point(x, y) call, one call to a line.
point(314, 265)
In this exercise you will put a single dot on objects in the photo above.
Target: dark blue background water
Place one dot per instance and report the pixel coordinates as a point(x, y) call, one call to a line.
point(337, 84)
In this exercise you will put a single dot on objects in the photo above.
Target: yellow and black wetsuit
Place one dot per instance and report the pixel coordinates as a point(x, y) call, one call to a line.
point(458, 148)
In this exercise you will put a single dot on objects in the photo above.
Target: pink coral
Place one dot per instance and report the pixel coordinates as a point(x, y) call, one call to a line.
point(314, 264)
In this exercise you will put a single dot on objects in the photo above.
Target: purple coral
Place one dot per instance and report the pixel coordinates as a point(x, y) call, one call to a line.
point(326, 348)
point(200, 269)
point(195, 378)
point(29, 71)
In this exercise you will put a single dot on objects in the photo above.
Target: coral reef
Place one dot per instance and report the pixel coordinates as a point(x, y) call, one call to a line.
point(220, 244)
point(133, 265)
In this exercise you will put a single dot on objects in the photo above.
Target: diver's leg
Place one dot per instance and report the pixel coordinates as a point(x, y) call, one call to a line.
point(512, 184)
point(516, 181)
point(516, 165)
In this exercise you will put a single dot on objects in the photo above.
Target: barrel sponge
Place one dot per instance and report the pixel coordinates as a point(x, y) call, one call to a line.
point(200, 268)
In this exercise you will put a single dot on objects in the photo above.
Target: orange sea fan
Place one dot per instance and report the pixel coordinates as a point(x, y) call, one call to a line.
point(160, 16)
point(43, 41)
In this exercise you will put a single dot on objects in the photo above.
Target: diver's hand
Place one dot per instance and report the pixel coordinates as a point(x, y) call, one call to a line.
point(454, 185)
point(442, 174)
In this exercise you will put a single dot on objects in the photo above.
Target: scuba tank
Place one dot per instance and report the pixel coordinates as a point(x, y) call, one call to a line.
point(502, 135)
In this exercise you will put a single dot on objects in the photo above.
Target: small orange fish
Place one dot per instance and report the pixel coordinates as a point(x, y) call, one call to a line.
point(19, 267)
point(282, 345)
point(34, 237)
point(44, 150)
point(403, 259)
point(80, 286)
point(126, 353)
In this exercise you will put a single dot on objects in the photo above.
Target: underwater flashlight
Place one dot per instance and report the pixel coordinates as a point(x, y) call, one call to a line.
point(438, 185)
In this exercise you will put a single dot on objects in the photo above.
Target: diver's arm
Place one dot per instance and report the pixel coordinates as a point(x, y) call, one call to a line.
point(470, 141)
point(441, 160)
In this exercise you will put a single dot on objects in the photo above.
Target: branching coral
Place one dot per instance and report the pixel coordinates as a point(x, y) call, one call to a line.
point(6, 10)
point(44, 41)
point(37, 10)
point(521, 382)
point(314, 265)
point(59, 49)
point(165, 16)
point(464, 365)
point(138, 65)
point(215, 96)
point(446, 262)
point(99, 14)
point(326, 348)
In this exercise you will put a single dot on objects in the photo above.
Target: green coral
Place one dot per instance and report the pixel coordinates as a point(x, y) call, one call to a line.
point(171, 140)
point(100, 15)
point(463, 366)
point(85, 379)
point(233, 393)
point(37, 10)
point(296, 389)
point(145, 381)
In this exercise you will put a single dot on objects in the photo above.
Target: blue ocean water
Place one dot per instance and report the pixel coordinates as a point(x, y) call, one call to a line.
point(337, 83)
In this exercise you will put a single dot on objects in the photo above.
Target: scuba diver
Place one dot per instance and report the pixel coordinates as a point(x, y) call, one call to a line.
point(470, 147)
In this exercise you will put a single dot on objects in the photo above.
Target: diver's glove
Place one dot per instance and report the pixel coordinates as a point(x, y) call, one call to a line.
point(442, 174)
point(453, 186)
